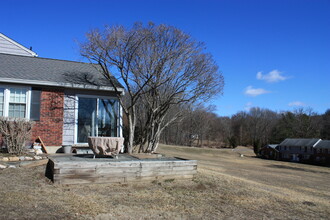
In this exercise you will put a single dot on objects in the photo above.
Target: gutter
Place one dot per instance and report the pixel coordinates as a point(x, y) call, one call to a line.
point(60, 84)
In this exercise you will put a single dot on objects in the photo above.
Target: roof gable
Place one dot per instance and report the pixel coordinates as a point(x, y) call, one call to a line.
point(9, 46)
point(272, 145)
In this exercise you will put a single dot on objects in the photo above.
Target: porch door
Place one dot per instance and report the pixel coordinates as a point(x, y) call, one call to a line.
point(87, 118)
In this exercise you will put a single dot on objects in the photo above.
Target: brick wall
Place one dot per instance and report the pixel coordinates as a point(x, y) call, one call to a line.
point(50, 126)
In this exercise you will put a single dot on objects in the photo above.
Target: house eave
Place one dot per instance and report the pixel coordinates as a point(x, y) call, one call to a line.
point(60, 84)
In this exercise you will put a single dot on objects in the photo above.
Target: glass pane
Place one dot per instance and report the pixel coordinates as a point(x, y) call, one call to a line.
point(23, 96)
point(17, 95)
point(1, 95)
point(107, 118)
point(86, 119)
point(16, 110)
point(22, 111)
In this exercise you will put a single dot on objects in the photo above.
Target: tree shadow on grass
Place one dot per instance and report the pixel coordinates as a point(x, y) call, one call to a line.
point(296, 168)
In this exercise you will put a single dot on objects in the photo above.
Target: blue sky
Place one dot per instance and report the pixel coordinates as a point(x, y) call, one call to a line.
point(273, 54)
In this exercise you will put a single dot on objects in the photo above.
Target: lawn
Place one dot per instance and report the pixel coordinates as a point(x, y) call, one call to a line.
point(227, 186)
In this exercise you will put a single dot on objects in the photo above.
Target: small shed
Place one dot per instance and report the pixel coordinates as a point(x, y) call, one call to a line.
point(270, 151)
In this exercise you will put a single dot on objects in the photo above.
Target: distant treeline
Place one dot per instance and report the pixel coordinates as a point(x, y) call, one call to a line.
point(256, 127)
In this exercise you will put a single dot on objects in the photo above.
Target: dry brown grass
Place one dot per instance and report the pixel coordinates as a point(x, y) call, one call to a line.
point(227, 187)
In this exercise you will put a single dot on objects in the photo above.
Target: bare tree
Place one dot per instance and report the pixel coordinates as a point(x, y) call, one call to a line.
point(160, 66)
point(238, 134)
point(307, 123)
point(301, 123)
point(182, 74)
point(260, 125)
point(117, 51)
point(325, 125)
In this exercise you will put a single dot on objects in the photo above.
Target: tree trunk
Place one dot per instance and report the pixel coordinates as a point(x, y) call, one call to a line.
point(131, 122)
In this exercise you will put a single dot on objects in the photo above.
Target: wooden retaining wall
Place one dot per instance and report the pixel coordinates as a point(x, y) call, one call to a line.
point(78, 172)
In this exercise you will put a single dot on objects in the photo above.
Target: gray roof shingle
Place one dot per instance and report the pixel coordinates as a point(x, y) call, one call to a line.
point(323, 144)
point(60, 72)
point(298, 142)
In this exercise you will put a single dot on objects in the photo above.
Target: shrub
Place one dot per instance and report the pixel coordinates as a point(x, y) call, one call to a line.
point(15, 132)
point(257, 145)
point(232, 141)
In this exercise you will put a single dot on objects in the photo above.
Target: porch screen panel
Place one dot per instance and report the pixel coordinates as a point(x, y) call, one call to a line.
point(108, 118)
point(86, 118)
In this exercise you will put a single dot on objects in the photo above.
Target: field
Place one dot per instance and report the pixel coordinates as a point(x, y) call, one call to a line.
point(227, 186)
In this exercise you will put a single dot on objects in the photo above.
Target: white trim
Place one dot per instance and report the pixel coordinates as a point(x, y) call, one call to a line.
point(59, 84)
point(75, 120)
point(96, 96)
point(19, 45)
point(6, 95)
point(317, 143)
point(120, 120)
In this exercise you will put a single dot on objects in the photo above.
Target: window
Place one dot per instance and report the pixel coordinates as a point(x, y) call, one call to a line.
point(35, 104)
point(97, 117)
point(14, 102)
point(17, 103)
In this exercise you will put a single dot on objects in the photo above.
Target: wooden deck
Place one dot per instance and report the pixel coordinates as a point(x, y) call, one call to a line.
point(80, 169)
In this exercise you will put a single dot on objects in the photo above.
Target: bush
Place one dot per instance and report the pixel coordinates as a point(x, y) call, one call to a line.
point(232, 142)
point(257, 145)
point(15, 132)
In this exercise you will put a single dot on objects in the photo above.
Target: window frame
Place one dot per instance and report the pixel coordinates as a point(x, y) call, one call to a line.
point(6, 99)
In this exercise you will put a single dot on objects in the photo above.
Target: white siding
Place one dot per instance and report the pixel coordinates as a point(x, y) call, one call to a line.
point(69, 120)
point(9, 46)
